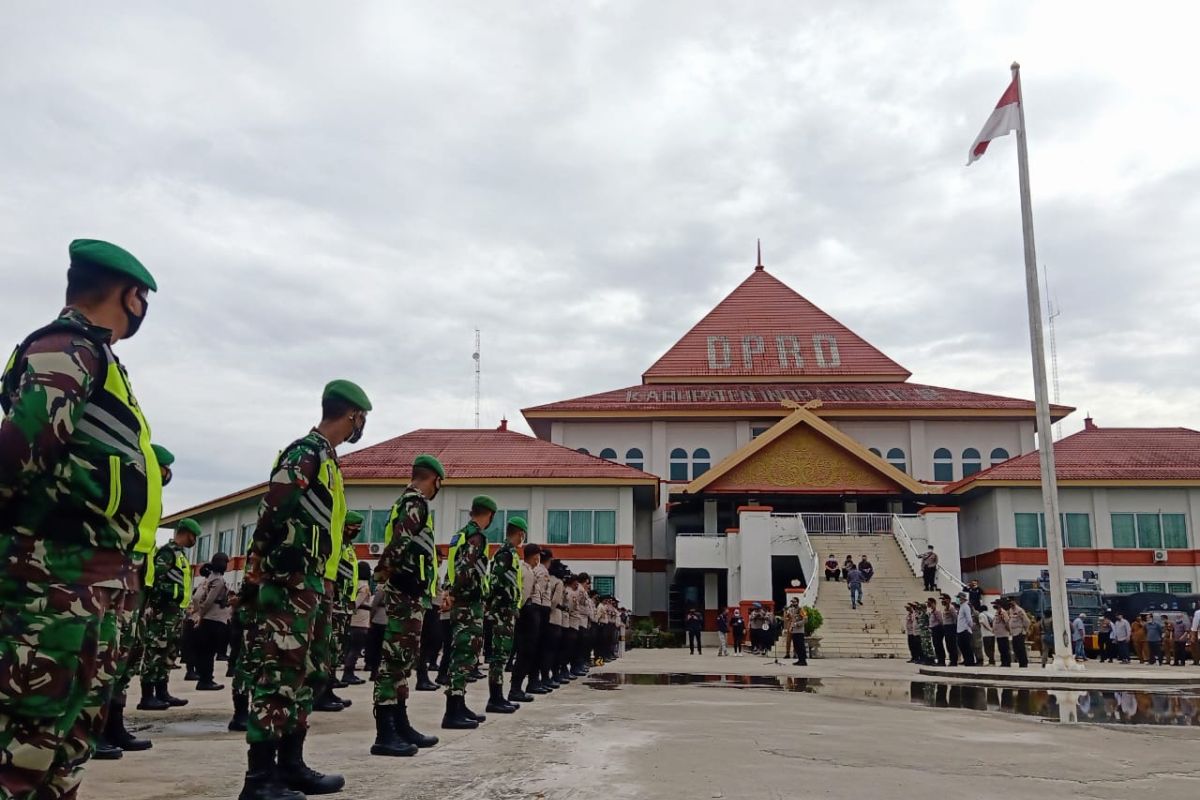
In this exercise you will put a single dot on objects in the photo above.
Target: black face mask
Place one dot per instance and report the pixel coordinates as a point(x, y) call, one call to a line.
point(166, 478)
point(357, 433)
point(134, 321)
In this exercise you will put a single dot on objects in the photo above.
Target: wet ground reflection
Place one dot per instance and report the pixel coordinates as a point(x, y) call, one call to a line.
point(1094, 706)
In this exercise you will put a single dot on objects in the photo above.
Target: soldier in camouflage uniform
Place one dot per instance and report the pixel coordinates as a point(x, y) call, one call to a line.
point(504, 597)
point(300, 522)
point(247, 664)
point(333, 620)
point(467, 580)
point(80, 491)
point(407, 574)
point(169, 591)
point(346, 588)
point(923, 631)
point(117, 739)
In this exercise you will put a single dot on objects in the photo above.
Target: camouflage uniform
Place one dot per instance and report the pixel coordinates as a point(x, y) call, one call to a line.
point(466, 614)
point(343, 606)
point(292, 542)
point(131, 633)
point(79, 488)
point(405, 571)
point(501, 608)
point(165, 604)
point(926, 636)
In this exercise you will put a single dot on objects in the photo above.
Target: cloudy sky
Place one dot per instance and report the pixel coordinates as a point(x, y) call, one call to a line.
point(329, 190)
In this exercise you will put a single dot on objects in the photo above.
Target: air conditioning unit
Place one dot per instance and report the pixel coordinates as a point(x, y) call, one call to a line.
point(376, 548)
point(1160, 556)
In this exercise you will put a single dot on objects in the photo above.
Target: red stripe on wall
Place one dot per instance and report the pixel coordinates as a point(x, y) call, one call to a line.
point(1082, 557)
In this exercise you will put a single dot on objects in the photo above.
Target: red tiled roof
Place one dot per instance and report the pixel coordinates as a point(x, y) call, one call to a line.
point(758, 330)
point(482, 454)
point(768, 396)
point(1107, 454)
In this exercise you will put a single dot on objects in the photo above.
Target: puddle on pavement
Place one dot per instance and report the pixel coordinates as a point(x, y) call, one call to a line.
point(188, 727)
point(1180, 707)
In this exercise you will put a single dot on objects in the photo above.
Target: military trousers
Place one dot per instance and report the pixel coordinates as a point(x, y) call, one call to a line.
point(321, 646)
point(503, 619)
point(466, 639)
point(529, 626)
point(164, 628)
point(341, 635)
point(58, 663)
point(130, 629)
point(400, 647)
point(282, 696)
point(247, 664)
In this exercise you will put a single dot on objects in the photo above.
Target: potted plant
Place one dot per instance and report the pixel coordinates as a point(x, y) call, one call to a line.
point(813, 623)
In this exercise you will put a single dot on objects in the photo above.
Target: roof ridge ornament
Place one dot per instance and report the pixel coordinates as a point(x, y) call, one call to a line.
point(811, 405)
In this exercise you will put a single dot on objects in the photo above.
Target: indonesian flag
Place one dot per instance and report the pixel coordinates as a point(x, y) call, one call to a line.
point(1005, 119)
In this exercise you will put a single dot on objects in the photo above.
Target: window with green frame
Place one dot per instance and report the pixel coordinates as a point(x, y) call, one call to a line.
point(1031, 529)
point(1154, 586)
point(1179, 587)
point(1149, 531)
point(1128, 587)
point(495, 531)
point(581, 526)
point(1172, 587)
point(604, 584)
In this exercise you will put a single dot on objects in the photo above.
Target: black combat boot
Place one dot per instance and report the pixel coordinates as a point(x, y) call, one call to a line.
point(476, 674)
point(116, 732)
point(262, 777)
point(423, 682)
point(346, 702)
point(160, 691)
point(387, 741)
point(455, 719)
point(326, 701)
point(299, 776)
point(516, 694)
point(469, 713)
point(496, 703)
point(150, 701)
point(106, 750)
point(350, 679)
point(241, 712)
point(407, 732)
point(209, 686)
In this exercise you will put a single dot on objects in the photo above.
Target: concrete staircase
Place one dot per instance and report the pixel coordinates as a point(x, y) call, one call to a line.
point(876, 628)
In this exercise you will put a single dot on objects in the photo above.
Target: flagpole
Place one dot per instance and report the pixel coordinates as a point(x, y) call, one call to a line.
point(1063, 656)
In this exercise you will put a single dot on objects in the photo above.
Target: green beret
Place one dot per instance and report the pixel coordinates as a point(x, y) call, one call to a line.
point(429, 462)
point(483, 501)
point(354, 518)
point(188, 525)
point(518, 522)
point(102, 255)
point(165, 457)
point(352, 393)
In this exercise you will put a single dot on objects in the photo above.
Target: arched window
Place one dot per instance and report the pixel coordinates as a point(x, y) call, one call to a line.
point(583, 450)
point(943, 465)
point(634, 458)
point(896, 458)
point(701, 461)
point(609, 453)
point(679, 464)
point(999, 454)
point(971, 462)
point(875, 450)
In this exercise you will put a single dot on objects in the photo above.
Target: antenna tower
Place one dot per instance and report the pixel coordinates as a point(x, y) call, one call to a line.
point(476, 357)
point(1053, 312)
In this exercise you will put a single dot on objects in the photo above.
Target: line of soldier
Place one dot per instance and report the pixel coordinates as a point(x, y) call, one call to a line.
point(80, 504)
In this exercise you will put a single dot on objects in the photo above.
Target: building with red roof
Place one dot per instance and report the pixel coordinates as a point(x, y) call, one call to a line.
point(1130, 502)
point(585, 508)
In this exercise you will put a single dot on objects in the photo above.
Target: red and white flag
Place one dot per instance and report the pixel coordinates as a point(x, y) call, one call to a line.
point(1005, 119)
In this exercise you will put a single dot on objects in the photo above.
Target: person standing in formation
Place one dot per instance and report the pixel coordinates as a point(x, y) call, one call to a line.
point(923, 631)
point(80, 500)
point(556, 621)
point(211, 614)
point(737, 629)
point(534, 597)
point(505, 587)
point(359, 623)
point(169, 593)
point(407, 573)
point(466, 579)
point(965, 631)
point(936, 631)
point(1000, 626)
point(797, 631)
point(986, 618)
point(1018, 625)
point(910, 632)
point(345, 592)
point(300, 519)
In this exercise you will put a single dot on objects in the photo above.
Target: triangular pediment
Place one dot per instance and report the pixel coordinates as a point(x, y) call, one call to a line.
point(804, 454)
point(765, 331)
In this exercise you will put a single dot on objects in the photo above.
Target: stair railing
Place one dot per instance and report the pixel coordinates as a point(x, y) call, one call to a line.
point(812, 586)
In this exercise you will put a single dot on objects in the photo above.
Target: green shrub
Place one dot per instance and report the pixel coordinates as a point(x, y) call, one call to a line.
point(815, 621)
